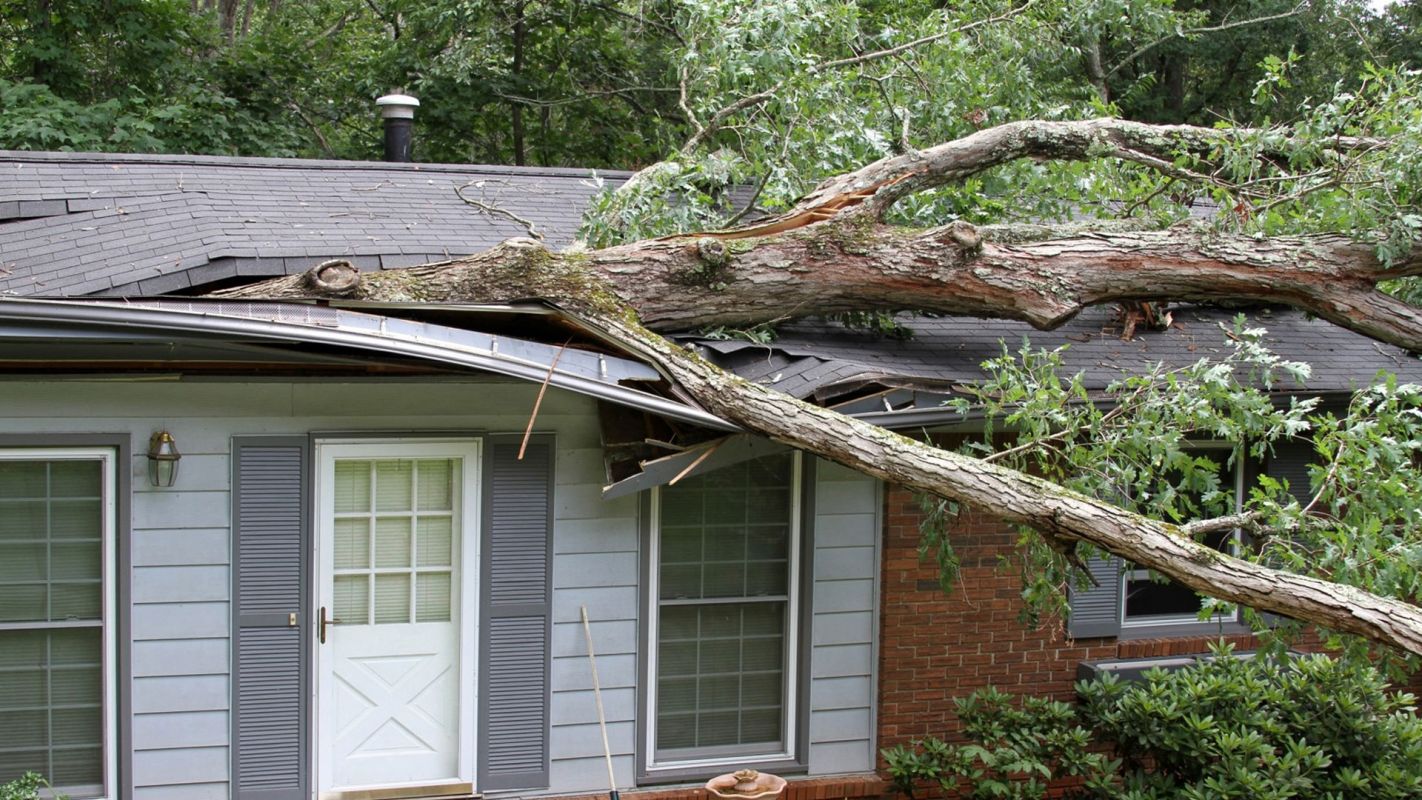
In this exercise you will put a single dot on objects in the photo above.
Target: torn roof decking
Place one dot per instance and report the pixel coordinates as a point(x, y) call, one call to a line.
point(827, 363)
point(97, 224)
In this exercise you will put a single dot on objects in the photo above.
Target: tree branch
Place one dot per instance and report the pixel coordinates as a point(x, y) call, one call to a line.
point(1180, 34)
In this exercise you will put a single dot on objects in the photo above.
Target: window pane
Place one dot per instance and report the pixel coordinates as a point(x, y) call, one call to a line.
point(352, 599)
point(392, 542)
point(392, 598)
point(432, 597)
point(393, 485)
point(23, 479)
point(75, 478)
point(1147, 598)
point(436, 479)
point(352, 543)
point(435, 537)
point(352, 486)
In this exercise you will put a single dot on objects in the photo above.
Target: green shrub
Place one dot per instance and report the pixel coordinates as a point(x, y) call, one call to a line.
point(1308, 727)
point(25, 787)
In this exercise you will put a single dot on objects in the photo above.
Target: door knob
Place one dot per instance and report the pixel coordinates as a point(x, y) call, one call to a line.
point(326, 622)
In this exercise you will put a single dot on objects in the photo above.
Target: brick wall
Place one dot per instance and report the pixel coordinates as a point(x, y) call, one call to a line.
point(936, 647)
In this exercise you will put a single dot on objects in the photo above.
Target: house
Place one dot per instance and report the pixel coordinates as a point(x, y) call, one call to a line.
point(367, 575)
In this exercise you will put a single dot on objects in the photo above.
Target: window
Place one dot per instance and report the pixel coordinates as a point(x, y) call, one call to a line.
point(1147, 601)
point(56, 605)
point(724, 609)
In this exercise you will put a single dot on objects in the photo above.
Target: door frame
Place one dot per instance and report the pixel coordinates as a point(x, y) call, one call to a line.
point(471, 485)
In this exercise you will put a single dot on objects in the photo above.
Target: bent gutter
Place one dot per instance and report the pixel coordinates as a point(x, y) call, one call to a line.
point(381, 335)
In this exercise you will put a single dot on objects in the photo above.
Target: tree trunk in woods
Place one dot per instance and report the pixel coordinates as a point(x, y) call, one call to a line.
point(832, 252)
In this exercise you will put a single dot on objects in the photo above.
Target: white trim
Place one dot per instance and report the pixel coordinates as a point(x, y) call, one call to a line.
point(1238, 453)
point(792, 637)
point(108, 615)
point(469, 450)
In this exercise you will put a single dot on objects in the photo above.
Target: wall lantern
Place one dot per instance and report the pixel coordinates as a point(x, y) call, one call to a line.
point(163, 458)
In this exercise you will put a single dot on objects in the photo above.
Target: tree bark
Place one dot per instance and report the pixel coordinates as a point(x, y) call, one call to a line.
point(833, 253)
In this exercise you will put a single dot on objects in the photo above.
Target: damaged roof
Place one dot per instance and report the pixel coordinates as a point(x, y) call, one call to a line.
point(76, 224)
point(102, 225)
point(829, 364)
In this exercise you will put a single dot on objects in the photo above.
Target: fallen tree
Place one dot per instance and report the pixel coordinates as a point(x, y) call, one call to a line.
point(834, 251)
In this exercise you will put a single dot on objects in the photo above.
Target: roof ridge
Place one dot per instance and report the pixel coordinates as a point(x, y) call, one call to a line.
point(254, 162)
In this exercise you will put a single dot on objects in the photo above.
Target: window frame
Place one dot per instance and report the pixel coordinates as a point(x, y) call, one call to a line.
point(1165, 624)
point(791, 757)
point(112, 486)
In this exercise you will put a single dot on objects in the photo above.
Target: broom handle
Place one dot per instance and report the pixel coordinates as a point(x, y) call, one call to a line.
point(597, 696)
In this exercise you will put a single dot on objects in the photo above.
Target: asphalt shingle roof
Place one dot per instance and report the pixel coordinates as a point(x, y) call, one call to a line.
point(824, 360)
point(75, 224)
point(85, 224)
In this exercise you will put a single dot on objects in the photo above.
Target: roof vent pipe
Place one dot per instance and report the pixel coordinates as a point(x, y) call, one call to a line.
point(398, 111)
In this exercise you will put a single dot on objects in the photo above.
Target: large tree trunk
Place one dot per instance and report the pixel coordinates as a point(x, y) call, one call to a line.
point(833, 253)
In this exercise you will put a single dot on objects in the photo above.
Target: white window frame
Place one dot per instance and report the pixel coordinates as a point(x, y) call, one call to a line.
point(792, 641)
point(108, 615)
point(1164, 620)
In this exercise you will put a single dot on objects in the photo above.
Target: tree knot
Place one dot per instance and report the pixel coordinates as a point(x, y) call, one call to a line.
point(335, 278)
point(965, 236)
point(712, 251)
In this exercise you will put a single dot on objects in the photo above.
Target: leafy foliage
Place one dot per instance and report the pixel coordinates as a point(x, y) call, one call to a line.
point(1303, 727)
point(27, 787)
point(1134, 445)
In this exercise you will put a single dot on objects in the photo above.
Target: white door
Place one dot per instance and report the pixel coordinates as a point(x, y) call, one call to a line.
point(395, 666)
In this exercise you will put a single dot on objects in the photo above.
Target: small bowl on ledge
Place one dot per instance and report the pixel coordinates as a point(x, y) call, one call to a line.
point(746, 784)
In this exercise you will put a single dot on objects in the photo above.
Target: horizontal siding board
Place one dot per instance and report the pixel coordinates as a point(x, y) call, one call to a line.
point(855, 594)
point(180, 693)
point(840, 725)
point(588, 570)
point(576, 775)
point(852, 627)
point(155, 658)
point(181, 729)
point(180, 547)
point(580, 707)
point(609, 638)
point(844, 563)
point(180, 620)
point(170, 584)
point(584, 741)
point(845, 497)
point(198, 509)
point(187, 791)
point(829, 758)
point(604, 603)
point(845, 530)
point(839, 693)
point(180, 765)
point(607, 535)
point(612, 671)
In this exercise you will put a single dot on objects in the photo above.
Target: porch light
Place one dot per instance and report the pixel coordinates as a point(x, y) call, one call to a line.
point(163, 458)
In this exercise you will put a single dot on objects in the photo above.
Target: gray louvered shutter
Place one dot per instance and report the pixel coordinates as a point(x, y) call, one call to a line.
point(1096, 610)
point(516, 614)
point(1290, 462)
point(269, 566)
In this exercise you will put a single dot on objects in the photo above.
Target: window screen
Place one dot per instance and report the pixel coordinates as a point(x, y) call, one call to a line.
point(724, 601)
point(52, 589)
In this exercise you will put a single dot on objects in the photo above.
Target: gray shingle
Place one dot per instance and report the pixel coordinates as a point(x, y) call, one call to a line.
point(165, 207)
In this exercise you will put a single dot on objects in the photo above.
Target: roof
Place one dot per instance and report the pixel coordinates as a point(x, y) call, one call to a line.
point(825, 362)
point(100, 224)
point(75, 225)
